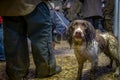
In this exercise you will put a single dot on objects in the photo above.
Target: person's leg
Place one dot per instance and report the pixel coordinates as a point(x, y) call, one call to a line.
point(98, 24)
point(53, 40)
point(108, 25)
point(2, 55)
point(16, 48)
point(40, 34)
point(95, 22)
point(90, 20)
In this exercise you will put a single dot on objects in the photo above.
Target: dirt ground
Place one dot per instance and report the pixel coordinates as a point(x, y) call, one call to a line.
point(66, 59)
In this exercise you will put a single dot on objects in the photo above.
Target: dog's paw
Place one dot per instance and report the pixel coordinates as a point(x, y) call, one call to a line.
point(78, 78)
point(117, 73)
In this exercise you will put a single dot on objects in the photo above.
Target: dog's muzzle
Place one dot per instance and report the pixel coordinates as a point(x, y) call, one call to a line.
point(78, 34)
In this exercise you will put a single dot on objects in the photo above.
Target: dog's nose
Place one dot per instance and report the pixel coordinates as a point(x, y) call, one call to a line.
point(78, 34)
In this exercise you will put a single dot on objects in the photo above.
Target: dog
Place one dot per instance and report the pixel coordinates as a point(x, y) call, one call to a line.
point(88, 43)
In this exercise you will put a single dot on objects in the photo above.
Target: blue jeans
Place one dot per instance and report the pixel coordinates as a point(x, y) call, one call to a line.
point(2, 56)
point(37, 27)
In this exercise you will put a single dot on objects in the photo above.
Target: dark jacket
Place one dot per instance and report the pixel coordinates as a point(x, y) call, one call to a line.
point(17, 7)
point(74, 10)
point(108, 10)
point(92, 8)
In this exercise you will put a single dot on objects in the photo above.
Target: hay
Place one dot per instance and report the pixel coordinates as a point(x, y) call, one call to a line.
point(66, 59)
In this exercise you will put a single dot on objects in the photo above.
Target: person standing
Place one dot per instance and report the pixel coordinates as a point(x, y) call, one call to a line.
point(72, 9)
point(108, 12)
point(92, 11)
point(24, 19)
point(58, 5)
point(2, 55)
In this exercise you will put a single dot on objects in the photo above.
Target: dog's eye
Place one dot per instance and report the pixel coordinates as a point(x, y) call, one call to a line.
point(84, 25)
point(76, 24)
point(74, 27)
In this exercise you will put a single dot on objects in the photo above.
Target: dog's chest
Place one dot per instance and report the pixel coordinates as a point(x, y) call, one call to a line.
point(88, 50)
point(93, 48)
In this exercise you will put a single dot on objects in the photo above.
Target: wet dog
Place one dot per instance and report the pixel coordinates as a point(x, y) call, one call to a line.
point(88, 43)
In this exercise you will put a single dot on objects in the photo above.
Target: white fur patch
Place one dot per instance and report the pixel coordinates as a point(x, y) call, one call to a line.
point(78, 30)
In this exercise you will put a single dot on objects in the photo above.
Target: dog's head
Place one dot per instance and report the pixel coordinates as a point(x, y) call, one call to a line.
point(81, 30)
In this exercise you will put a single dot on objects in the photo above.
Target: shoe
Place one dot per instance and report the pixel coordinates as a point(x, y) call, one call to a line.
point(57, 70)
point(1, 60)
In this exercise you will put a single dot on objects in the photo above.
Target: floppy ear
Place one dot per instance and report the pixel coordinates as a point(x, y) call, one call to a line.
point(69, 34)
point(89, 31)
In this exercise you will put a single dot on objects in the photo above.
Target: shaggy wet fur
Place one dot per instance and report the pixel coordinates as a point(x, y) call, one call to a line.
point(88, 43)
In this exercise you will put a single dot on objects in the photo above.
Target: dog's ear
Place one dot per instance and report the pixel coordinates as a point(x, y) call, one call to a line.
point(89, 31)
point(72, 24)
point(70, 29)
point(69, 34)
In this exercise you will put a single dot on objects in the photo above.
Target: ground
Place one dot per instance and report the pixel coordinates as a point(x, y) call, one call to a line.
point(66, 59)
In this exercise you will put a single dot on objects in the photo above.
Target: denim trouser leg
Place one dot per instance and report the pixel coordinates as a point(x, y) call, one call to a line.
point(2, 55)
point(40, 34)
point(16, 48)
point(37, 26)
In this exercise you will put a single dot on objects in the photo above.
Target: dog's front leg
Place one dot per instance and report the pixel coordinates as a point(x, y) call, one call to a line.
point(80, 60)
point(93, 69)
point(117, 70)
point(80, 68)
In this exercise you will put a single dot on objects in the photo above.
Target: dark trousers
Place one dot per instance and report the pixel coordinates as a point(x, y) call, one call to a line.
point(2, 55)
point(96, 22)
point(108, 25)
point(37, 27)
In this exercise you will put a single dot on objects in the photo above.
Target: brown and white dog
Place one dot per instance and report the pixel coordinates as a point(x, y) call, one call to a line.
point(88, 43)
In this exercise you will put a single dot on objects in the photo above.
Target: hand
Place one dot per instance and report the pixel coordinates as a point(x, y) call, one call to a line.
point(57, 8)
point(68, 5)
